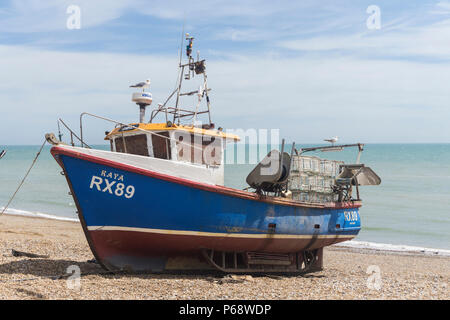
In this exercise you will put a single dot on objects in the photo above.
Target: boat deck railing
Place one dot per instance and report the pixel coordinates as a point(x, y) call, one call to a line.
point(72, 134)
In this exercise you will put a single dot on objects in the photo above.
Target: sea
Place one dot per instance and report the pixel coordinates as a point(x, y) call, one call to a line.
point(409, 210)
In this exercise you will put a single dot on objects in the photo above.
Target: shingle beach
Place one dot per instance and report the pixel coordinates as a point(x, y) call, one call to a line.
point(348, 273)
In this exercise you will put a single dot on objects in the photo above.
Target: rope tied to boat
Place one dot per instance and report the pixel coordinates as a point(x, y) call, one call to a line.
point(24, 178)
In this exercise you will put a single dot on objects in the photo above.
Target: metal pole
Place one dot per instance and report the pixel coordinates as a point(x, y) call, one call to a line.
point(205, 78)
point(178, 95)
point(59, 132)
point(290, 165)
point(124, 143)
point(72, 134)
point(360, 146)
point(81, 128)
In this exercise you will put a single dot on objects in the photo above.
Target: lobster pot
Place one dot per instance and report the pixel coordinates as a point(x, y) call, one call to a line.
point(327, 167)
point(294, 181)
point(296, 195)
point(312, 183)
point(320, 187)
point(315, 197)
point(328, 183)
point(304, 181)
point(300, 196)
point(305, 164)
point(312, 179)
point(337, 170)
point(308, 164)
point(299, 182)
point(330, 168)
point(322, 197)
point(315, 165)
point(296, 165)
point(329, 197)
point(304, 197)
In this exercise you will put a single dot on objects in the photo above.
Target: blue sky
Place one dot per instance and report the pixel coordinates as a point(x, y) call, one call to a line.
point(311, 70)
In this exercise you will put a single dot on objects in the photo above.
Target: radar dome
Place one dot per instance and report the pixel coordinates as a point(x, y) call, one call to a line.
point(142, 98)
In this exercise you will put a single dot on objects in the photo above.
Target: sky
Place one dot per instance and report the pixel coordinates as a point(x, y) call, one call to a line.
point(365, 71)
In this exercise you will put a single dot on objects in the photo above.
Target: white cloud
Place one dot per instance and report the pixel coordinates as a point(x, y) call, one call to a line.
point(200, 10)
point(37, 86)
point(430, 42)
point(442, 7)
point(308, 98)
point(51, 15)
point(401, 37)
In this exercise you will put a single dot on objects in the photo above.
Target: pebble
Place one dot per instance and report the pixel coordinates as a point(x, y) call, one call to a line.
point(344, 275)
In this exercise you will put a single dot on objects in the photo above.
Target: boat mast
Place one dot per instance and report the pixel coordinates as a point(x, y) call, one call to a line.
point(194, 67)
point(176, 113)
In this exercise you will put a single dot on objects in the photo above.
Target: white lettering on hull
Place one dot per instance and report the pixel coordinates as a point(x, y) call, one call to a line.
point(112, 186)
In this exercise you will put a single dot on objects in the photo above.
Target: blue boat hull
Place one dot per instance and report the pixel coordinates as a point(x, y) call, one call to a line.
point(142, 220)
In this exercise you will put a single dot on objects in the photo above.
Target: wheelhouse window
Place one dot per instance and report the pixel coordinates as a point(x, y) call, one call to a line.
point(161, 145)
point(136, 144)
point(201, 149)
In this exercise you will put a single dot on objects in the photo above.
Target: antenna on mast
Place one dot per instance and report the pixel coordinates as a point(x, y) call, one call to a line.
point(181, 45)
point(187, 72)
point(191, 64)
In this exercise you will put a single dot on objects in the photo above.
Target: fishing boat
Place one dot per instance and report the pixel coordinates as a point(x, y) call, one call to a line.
point(156, 201)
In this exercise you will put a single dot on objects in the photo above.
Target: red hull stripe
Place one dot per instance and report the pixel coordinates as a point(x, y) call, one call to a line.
point(143, 244)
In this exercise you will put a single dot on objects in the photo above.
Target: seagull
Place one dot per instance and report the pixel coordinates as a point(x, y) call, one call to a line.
point(332, 140)
point(142, 85)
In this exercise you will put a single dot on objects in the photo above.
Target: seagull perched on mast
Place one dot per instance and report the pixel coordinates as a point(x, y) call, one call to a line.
point(332, 140)
point(142, 85)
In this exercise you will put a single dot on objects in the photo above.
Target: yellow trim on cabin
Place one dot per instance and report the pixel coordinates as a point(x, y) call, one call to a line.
point(164, 127)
